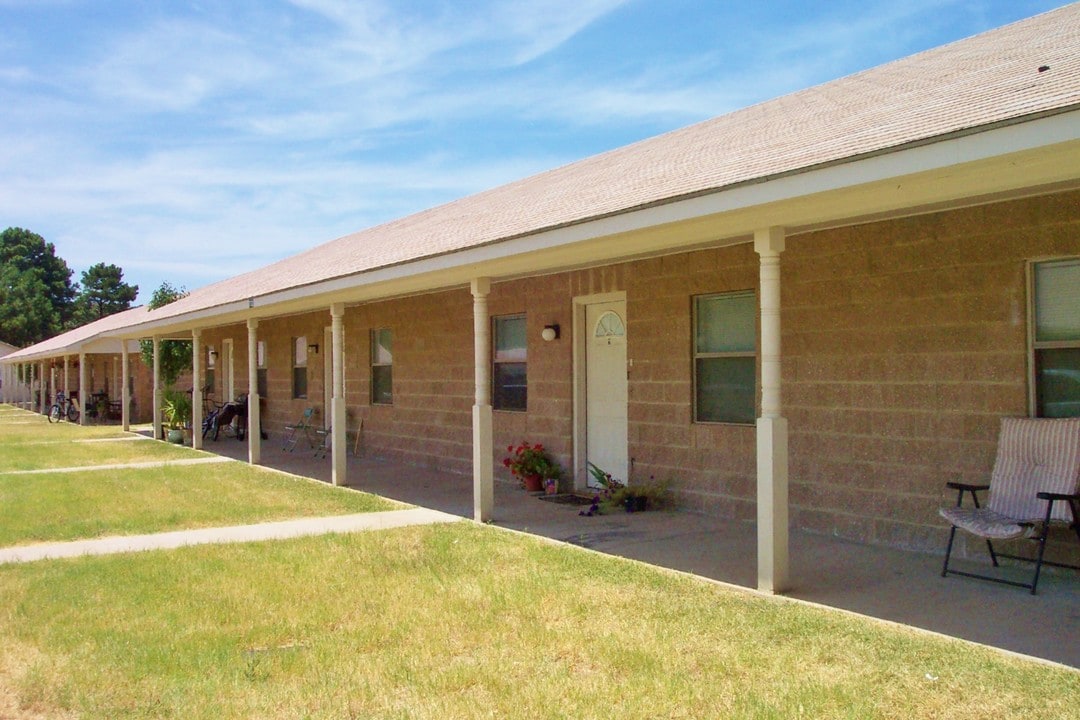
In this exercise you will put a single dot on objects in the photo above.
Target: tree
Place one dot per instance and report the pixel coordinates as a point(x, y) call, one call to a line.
point(103, 292)
point(30, 273)
point(175, 355)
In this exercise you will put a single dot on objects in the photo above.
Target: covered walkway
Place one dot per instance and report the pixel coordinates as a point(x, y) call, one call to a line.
point(890, 584)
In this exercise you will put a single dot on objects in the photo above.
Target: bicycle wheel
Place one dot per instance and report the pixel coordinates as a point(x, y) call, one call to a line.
point(73, 413)
point(54, 414)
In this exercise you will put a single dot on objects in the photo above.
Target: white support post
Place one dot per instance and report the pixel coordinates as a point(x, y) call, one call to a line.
point(483, 446)
point(157, 388)
point(52, 387)
point(339, 445)
point(125, 389)
point(196, 389)
point(253, 419)
point(82, 388)
point(772, 430)
point(67, 370)
point(42, 389)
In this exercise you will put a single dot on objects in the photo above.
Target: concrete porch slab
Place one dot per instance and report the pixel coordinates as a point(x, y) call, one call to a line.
point(894, 585)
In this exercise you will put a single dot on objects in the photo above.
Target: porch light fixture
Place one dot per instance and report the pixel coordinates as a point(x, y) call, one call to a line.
point(314, 348)
point(550, 332)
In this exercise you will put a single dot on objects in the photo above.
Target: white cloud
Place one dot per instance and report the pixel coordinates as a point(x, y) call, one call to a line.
point(174, 65)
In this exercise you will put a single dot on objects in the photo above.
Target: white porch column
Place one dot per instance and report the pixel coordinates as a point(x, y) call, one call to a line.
point(52, 386)
point(483, 450)
point(157, 388)
point(339, 445)
point(253, 418)
point(196, 389)
point(67, 370)
point(83, 389)
point(772, 430)
point(42, 389)
point(125, 389)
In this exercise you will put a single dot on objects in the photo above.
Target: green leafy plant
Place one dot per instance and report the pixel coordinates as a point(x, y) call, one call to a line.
point(617, 495)
point(176, 409)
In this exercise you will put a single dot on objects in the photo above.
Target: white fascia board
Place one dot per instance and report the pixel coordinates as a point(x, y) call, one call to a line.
point(99, 345)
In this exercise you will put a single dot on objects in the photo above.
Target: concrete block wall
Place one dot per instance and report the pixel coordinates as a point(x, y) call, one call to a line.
point(711, 466)
point(904, 342)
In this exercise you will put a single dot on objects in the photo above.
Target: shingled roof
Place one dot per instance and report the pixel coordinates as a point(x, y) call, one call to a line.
point(68, 342)
point(989, 79)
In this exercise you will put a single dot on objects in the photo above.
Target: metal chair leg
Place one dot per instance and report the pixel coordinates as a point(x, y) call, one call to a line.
point(948, 551)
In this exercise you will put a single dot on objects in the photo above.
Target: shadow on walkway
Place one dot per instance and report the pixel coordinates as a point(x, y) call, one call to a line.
point(893, 585)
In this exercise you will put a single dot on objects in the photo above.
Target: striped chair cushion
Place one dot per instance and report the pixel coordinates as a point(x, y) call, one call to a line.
point(982, 522)
point(1034, 455)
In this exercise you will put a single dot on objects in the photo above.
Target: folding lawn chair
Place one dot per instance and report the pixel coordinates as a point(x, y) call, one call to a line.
point(1036, 480)
point(302, 427)
point(324, 441)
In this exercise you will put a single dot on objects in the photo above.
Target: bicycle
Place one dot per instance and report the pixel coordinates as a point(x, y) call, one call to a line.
point(211, 420)
point(63, 407)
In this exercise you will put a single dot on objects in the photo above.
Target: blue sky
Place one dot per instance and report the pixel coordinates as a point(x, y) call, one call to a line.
point(192, 141)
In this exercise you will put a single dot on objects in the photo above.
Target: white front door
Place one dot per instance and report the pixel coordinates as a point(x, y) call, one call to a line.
point(606, 389)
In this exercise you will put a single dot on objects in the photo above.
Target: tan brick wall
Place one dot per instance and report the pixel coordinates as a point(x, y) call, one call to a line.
point(904, 341)
point(710, 466)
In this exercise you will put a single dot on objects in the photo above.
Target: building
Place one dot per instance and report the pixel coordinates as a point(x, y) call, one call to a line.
point(811, 312)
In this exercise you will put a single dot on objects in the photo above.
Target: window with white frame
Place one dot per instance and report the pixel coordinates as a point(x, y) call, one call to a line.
point(725, 357)
point(299, 367)
point(260, 368)
point(509, 372)
point(1056, 338)
point(382, 367)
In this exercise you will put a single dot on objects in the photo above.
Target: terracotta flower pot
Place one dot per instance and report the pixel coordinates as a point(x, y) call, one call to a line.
point(534, 483)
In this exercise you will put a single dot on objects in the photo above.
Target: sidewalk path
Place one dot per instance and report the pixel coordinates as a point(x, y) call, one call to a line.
point(235, 534)
point(122, 466)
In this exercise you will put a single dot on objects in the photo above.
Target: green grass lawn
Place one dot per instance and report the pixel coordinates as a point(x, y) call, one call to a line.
point(21, 426)
point(38, 455)
point(68, 506)
point(465, 621)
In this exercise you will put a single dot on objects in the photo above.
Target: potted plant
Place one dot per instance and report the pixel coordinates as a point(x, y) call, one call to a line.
point(643, 496)
point(531, 465)
point(176, 409)
point(614, 494)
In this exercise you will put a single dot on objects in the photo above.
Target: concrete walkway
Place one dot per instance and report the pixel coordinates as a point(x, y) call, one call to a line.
point(236, 534)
